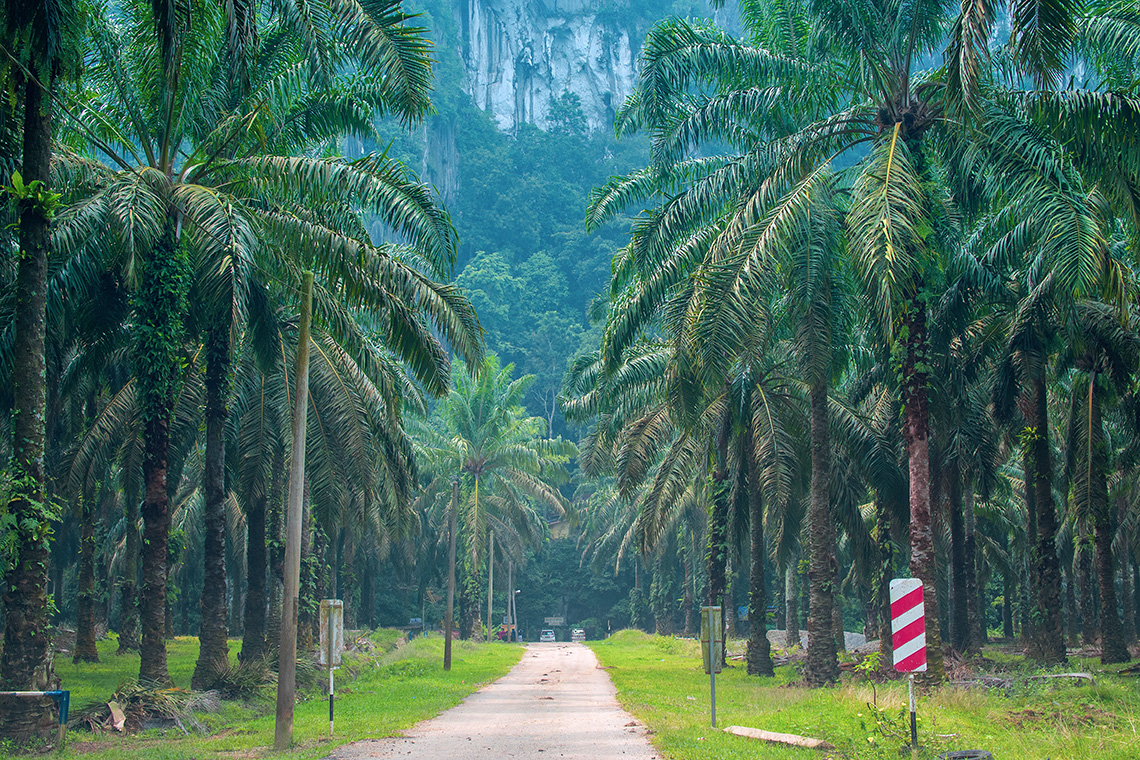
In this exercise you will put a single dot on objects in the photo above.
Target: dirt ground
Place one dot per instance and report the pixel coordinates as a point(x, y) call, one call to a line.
point(556, 703)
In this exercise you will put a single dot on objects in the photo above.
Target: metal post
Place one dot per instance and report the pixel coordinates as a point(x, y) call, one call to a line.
point(330, 700)
point(913, 720)
point(448, 618)
point(287, 651)
point(490, 579)
point(712, 691)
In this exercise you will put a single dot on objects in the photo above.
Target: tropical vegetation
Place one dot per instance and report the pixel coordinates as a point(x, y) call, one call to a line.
point(849, 294)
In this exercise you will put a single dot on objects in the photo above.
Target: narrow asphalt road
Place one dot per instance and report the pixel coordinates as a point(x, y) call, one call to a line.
point(556, 703)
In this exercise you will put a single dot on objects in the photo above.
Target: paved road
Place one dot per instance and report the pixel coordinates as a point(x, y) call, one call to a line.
point(556, 703)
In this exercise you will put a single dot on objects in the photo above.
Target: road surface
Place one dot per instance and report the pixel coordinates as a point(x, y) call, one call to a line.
point(556, 703)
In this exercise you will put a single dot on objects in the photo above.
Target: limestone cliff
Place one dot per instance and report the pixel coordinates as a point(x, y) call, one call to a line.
point(518, 54)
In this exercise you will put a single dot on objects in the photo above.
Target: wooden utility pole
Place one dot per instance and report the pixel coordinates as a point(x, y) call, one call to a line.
point(287, 652)
point(490, 579)
point(449, 618)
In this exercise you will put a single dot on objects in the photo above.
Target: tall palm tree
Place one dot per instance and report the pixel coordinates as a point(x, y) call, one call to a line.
point(191, 187)
point(508, 469)
point(1105, 353)
point(851, 89)
point(35, 47)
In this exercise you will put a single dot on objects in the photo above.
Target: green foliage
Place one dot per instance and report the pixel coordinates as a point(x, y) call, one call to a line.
point(159, 330)
point(36, 193)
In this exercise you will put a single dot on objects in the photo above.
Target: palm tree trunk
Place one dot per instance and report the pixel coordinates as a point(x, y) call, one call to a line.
point(368, 594)
point(1072, 632)
point(1007, 606)
point(159, 306)
point(26, 660)
point(792, 598)
point(976, 634)
point(881, 592)
point(213, 653)
point(659, 596)
point(1087, 600)
point(1136, 596)
point(687, 596)
point(822, 665)
point(449, 615)
point(275, 553)
point(156, 529)
point(128, 590)
point(1127, 613)
point(85, 649)
point(916, 433)
point(253, 634)
point(1047, 642)
point(1112, 647)
point(759, 652)
point(959, 596)
point(718, 535)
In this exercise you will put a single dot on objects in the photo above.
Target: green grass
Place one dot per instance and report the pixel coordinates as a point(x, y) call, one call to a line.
point(660, 681)
point(378, 694)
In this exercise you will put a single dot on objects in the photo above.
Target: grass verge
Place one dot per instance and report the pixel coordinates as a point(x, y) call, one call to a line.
point(379, 693)
point(660, 681)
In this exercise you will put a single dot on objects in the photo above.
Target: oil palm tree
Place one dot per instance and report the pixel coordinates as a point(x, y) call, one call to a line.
point(196, 191)
point(849, 86)
point(1104, 353)
point(37, 51)
point(508, 470)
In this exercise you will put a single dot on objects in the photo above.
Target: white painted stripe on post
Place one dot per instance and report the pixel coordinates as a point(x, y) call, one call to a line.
point(908, 617)
point(910, 647)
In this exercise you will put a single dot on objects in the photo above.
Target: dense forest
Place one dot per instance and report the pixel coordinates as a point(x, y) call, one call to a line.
point(845, 292)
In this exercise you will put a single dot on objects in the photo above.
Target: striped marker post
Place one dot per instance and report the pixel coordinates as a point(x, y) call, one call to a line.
point(908, 639)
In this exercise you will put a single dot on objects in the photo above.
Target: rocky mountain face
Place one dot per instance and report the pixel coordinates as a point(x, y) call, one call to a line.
point(519, 54)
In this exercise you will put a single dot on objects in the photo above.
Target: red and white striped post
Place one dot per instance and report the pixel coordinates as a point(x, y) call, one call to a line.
point(908, 639)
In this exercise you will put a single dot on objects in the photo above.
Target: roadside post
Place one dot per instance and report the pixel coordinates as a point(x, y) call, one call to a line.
point(712, 649)
point(332, 643)
point(62, 699)
point(908, 639)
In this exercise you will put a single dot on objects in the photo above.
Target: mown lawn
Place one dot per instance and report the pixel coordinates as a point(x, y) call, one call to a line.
point(378, 694)
point(660, 681)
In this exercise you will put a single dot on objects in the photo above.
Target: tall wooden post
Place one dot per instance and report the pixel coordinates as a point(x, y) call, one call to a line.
point(490, 579)
point(287, 653)
point(450, 617)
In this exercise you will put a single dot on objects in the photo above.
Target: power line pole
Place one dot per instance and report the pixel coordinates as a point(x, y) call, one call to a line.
point(449, 618)
point(287, 652)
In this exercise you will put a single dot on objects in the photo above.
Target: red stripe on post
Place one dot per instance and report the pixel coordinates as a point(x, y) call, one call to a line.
point(904, 603)
point(909, 631)
point(912, 662)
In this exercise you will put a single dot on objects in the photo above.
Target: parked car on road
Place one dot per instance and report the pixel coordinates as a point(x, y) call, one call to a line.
point(547, 634)
point(577, 634)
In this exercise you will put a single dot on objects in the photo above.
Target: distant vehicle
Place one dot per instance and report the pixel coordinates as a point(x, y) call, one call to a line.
point(577, 635)
point(547, 635)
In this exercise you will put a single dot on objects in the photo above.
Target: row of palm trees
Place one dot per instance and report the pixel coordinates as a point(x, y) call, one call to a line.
point(880, 253)
point(186, 176)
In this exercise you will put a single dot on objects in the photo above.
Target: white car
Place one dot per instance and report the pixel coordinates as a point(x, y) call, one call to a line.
point(577, 634)
point(547, 634)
